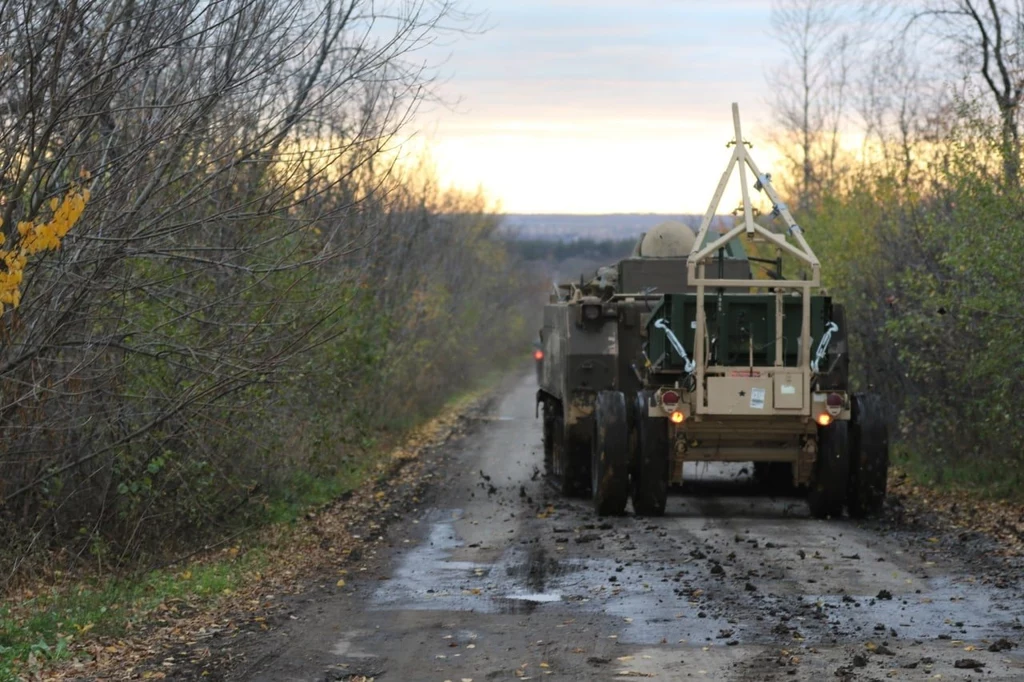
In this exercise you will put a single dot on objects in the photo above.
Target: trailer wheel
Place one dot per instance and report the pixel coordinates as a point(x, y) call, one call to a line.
point(649, 477)
point(827, 493)
point(609, 463)
point(869, 456)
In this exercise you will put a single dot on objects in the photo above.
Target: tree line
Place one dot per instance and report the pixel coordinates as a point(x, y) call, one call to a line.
point(254, 291)
point(557, 250)
point(900, 131)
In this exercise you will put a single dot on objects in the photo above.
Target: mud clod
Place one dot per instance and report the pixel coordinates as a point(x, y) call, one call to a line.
point(968, 664)
point(1001, 645)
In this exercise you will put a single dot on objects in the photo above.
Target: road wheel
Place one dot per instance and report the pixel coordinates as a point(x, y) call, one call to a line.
point(609, 461)
point(649, 479)
point(576, 461)
point(827, 494)
point(869, 456)
point(549, 439)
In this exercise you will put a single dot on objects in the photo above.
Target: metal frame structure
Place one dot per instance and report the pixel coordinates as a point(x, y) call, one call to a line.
point(697, 276)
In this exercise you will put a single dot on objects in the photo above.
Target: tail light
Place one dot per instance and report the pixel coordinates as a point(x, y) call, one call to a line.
point(669, 399)
point(677, 417)
point(824, 419)
point(834, 404)
point(538, 355)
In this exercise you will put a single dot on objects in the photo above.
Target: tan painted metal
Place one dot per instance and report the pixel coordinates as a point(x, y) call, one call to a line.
point(716, 396)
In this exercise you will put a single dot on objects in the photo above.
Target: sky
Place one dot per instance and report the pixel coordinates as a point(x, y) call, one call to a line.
point(601, 106)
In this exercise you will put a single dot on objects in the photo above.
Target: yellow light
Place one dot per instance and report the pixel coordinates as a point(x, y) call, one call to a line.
point(677, 417)
point(824, 419)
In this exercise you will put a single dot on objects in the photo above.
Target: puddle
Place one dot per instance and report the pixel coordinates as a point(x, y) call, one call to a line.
point(943, 607)
point(428, 579)
point(346, 648)
point(647, 601)
point(536, 598)
point(524, 580)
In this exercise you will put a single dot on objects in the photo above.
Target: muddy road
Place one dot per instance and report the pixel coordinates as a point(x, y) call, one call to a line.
point(498, 578)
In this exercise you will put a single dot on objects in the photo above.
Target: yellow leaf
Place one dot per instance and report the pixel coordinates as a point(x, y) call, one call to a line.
point(341, 582)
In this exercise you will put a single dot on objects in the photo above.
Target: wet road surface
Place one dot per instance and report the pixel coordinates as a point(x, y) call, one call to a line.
point(502, 579)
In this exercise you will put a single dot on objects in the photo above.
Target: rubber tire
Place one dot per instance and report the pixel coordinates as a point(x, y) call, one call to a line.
point(869, 456)
point(576, 465)
point(609, 463)
point(648, 483)
point(548, 438)
point(563, 483)
point(572, 478)
point(827, 494)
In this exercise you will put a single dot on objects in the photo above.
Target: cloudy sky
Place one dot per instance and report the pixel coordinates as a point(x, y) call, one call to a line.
point(597, 106)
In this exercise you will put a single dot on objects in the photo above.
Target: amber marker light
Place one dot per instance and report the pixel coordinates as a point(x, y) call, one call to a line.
point(538, 355)
point(824, 419)
point(677, 417)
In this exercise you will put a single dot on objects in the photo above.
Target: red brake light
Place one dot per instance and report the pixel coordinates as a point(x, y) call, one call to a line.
point(669, 398)
point(834, 400)
point(538, 355)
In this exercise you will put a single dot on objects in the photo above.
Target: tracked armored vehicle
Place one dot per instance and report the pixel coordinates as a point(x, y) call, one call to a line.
point(681, 355)
point(591, 341)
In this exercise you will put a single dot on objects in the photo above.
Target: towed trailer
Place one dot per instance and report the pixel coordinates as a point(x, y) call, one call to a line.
point(678, 354)
point(734, 369)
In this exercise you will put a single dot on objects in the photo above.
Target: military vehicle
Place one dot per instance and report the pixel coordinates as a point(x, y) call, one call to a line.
point(591, 341)
point(626, 405)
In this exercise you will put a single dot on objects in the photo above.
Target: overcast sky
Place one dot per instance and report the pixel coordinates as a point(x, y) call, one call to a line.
point(596, 106)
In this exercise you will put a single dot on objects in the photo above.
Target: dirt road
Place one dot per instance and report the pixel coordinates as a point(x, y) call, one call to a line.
point(501, 579)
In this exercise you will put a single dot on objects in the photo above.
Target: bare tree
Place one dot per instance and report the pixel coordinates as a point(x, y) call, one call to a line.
point(806, 28)
point(811, 91)
point(988, 36)
point(239, 156)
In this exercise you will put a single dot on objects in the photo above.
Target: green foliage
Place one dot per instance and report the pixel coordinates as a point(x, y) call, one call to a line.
point(42, 628)
point(930, 272)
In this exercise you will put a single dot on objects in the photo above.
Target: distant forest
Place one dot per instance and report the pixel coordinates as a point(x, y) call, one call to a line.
point(558, 251)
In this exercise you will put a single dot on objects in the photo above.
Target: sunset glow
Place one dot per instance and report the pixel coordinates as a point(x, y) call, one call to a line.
point(559, 110)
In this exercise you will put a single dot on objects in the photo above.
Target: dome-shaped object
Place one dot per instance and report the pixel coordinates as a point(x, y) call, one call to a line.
point(667, 239)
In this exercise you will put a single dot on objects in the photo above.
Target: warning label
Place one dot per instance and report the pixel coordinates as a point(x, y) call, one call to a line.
point(757, 398)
